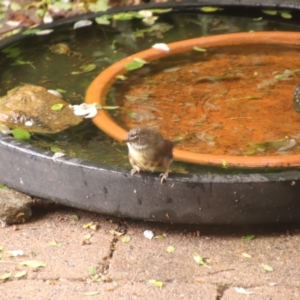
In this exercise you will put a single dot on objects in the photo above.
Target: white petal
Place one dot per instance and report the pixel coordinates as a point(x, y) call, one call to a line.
point(13, 23)
point(92, 112)
point(47, 18)
point(28, 123)
point(55, 93)
point(57, 155)
point(15, 253)
point(44, 32)
point(241, 290)
point(161, 46)
point(82, 23)
point(149, 234)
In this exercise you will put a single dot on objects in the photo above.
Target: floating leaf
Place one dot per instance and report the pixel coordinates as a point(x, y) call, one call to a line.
point(199, 49)
point(135, 64)
point(55, 149)
point(267, 268)
point(20, 134)
point(103, 20)
point(31, 31)
point(210, 9)
point(55, 244)
point(20, 274)
point(156, 283)
point(44, 32)
point(33, 264)
point(57, 106)
point(248, 237)
point(270, 12)
point(121, 77)
point(5, 276)
point(85, 69)
point(110, 107)
point(161, 10)
point(170, 249)
point(224, 163)
point(286, 15)
point(126, 239)
point(91, 293)
point(92, 270)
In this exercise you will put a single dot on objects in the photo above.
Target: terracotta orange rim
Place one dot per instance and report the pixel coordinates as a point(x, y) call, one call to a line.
point(99, 87)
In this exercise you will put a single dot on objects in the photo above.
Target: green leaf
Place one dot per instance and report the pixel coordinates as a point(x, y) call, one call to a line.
point(20, 134)
point(5, 276)
point(103, 20)
point(224, 163)
point(57, 106)
point(170, 249)
point(135, 64)
point(156, 283)
point(246, 255)
point(55, 149)
point(31, 31)
point(33, 264)
point(74, 218)
point(85, 69)
point(110, 107)
point(286, 15)
point(15, 6)
point(121, 77)
point(270, 12)
point(92, 270)
point(267, 268)
point(199, 49)
point(248, 237)
point(199, 260)
point(55, 244)
point(160, 11)
point(91, 293)
point(126, 239)
point(210, 9)
point(20, 274)
point(2, 186)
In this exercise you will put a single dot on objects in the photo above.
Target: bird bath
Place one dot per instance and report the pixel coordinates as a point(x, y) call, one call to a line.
point(95, 172)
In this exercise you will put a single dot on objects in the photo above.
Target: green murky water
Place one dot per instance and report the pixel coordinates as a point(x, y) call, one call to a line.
point(32, 61)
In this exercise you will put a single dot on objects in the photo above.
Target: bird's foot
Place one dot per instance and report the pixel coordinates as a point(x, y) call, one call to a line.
point(134, 170)
point(164, 176)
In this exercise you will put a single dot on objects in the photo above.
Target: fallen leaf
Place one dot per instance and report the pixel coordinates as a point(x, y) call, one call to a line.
point(91, 293)
point(20, 274)
point(55, 244)
point(5, 276)
point(156, 283)
point(267, 268)
point(248, 237)
point(126, 239)
point(33, 264)
point(170, 249)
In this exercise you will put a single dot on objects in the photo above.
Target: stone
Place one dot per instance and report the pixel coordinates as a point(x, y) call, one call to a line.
point(14, 207)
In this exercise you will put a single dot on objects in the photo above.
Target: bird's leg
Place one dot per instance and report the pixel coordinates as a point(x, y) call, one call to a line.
point(164, 176)
point(135, 169)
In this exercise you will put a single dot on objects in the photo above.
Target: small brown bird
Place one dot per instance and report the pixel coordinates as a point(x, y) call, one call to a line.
point(148, 150)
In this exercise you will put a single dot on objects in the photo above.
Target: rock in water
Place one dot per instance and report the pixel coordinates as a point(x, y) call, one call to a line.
point(29, 107)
